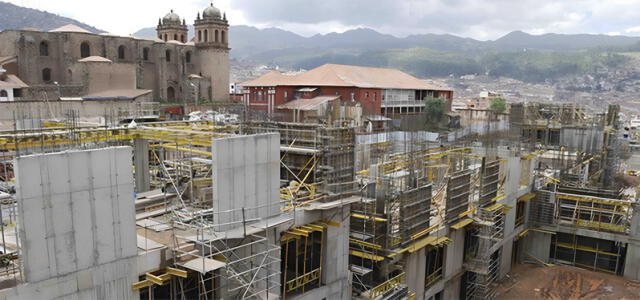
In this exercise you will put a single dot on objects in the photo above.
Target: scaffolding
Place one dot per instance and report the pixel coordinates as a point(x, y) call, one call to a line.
point(482, 257)
point(313, 157)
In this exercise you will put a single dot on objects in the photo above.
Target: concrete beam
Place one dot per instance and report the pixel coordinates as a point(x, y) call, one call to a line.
point(141, 162)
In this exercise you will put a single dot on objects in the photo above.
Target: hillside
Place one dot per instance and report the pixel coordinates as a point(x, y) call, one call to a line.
point(16, 17)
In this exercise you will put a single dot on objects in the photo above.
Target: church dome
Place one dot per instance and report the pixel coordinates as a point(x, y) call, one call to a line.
point(171, 18)
point(211, 12)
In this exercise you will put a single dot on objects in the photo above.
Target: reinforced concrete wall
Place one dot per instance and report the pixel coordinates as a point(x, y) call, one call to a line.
point(77, 224)
point(246, 175)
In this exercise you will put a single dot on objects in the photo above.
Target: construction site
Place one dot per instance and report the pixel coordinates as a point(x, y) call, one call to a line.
point(275, 210)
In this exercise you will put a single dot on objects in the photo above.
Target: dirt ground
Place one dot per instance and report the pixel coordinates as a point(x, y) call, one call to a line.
point(561, 282)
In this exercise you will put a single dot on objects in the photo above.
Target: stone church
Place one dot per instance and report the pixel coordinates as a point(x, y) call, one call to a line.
point(72, 63)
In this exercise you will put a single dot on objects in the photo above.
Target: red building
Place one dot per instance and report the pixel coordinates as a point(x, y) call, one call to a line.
point(378, 91)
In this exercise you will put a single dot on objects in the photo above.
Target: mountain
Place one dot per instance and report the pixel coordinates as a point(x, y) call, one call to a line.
point(561, 42)
point(16, 17)
point(548, 56)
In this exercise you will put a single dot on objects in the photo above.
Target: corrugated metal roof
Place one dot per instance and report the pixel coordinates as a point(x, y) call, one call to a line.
point(346, 76)
point(95, 59)
point(13, 82)
point(70, 28)
point(307, 104)
point(116, 95)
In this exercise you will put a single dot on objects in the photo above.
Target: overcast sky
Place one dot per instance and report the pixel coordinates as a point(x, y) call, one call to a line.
point(480, 19)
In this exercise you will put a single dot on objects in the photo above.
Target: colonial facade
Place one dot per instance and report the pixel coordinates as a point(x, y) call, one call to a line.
point(72, 62)
point(378, 91)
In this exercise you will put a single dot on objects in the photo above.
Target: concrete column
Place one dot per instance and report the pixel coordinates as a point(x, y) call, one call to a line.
point(415, 273)
point(632, 261)
point(141, 162)
point(538, 245)
point(452, 289)
point(454, 253)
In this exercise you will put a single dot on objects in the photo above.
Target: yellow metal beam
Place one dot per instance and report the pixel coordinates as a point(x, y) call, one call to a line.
point(182, 149)
point(363, 217)
point(424, 232)
point(176, 272)
point(365, 244)
point(366, 255)
point(141, 284)
point(153, 278)
point(526, 197)
point(462, 224)
point(468, 212)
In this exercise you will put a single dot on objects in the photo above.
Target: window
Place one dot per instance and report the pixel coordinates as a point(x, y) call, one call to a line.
point(121, 54)
point(188, 57)
point(44, 48)
point(4, 94)
point(165, 37)
point(171, 94)
point(434, 265)
point(46, 74)
point(224, 36)
point(366, 95)
point(168, 55)
point(353, 96)
point(375, 96)
point(182, 39)
point(216, 37)
point(260, 96)
point(159, 36)
point(301, 258)
point(145, 54)
point(199, 35)
point(85, 50)
point(206, 35)
point(286, 96)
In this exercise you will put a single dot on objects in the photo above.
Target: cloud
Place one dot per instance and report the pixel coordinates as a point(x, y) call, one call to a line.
point(484, 19)
point(481, 19)
point(124, 17)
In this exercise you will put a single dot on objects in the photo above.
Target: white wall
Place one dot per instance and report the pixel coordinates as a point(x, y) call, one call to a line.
point(246, 174)
point(9, 95)
point(77, 216)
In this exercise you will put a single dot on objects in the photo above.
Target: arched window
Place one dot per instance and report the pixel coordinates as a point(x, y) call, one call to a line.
point(216, 36)
point(182, 39)
point(171, 94)
point(165, 37)
point(206, 35)
point(188, 57)
point(121, 52)
point(199, 35)
point(46, 74)
point(224, 36)
point(44, 48)
point(168, 55)
point(175, 37)
point(85, 50)
point(4, 93)
point(145, 54)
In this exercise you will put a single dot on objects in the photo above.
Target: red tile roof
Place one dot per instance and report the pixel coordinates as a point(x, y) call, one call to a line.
point(346, 76)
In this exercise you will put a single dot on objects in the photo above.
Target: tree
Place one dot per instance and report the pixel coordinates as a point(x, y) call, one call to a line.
point(434, 108)
point(498, 105)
